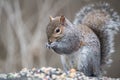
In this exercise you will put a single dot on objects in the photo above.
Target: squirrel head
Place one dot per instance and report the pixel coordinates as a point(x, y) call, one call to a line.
point(55, 28)
point(61, 35)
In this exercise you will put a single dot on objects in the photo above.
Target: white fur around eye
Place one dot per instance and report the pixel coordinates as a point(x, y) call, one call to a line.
point(57, 30)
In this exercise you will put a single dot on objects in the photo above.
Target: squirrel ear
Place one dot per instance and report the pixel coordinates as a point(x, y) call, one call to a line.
point(62, 20)
point(51, 18)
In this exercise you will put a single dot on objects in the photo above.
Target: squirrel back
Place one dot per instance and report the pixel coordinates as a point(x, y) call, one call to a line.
point(105, 22)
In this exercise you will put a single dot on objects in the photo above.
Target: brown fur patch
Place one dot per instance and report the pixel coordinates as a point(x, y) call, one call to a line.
point(85, 30)
point(82, 43)
point(96, 18)
point(52, 26)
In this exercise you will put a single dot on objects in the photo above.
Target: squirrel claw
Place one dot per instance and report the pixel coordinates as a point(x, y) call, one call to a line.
point(48, 46)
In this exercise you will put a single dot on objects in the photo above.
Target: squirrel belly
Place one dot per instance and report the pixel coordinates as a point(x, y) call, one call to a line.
point(84, 60)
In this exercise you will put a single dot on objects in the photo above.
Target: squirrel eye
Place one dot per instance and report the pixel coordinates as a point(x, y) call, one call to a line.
point(57, 30)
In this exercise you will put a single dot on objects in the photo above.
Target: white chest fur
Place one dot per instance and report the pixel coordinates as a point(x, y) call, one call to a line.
point(75, 60)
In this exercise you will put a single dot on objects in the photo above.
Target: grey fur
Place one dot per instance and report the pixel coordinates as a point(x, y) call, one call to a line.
point(96, 35)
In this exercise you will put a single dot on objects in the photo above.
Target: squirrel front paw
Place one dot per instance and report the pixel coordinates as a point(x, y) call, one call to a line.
point(48, 46)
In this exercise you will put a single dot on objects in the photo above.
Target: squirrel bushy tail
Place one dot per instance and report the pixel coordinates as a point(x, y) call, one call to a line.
point(105, 22)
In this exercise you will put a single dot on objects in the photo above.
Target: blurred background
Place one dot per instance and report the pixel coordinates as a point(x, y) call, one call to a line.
point(23, 34)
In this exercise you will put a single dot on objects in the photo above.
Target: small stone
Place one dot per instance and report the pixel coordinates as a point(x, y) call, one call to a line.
point(33, 69)
point(10, 75)
point(16, 75)
point(63, 76)
point(47, 77)
point(43, 68)
point(72, 75)
point(54, 76)
point(39, 75)
point(24, 70)
point(4, 76)
point(72, 70)
point(29, 75)
point(49, 68)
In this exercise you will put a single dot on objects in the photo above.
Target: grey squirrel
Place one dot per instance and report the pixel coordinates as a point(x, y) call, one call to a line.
point(87, 43)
